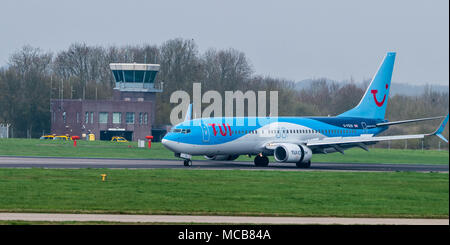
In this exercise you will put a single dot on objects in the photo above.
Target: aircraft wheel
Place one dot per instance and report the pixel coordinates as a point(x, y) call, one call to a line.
point(187, 163)
point(261, 161)
point(303, 164)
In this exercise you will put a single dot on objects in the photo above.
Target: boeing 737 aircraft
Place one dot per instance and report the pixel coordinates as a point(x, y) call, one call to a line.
point(292, 139)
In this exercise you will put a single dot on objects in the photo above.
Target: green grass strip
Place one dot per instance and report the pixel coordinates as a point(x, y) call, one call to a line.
point(233, 192)
point(105, 149)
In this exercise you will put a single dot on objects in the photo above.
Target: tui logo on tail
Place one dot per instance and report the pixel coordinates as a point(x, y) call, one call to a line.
point(374, 92)
point(377, 91)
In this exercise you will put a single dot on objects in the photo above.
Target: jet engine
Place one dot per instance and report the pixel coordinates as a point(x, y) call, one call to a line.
point(222, 157)
point(292, 153)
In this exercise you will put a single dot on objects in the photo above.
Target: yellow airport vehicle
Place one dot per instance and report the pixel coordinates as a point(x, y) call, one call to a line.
point(61, 137)
point(91, 137)
point(47, 137)
point(118, 139)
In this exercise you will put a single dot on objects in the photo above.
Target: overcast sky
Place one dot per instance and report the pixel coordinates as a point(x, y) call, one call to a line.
point(295, 40)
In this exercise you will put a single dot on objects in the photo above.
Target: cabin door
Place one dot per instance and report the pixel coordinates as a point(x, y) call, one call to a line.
point(205, 133)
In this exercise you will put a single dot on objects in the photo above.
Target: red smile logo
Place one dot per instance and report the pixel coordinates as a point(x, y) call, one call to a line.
point(374, 92)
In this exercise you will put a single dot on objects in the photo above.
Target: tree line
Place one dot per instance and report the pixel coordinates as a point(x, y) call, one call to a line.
point(33, 76)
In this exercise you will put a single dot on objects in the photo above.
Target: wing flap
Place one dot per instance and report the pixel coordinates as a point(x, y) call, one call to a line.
point(360, 139)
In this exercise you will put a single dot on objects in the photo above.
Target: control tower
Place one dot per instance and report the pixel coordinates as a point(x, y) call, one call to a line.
point(135, 77)
point(130, 113)
point(135, 81)
point(135, 90)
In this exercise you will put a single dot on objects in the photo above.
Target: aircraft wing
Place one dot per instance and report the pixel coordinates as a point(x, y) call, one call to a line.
point(360, 141)
point(341, 143)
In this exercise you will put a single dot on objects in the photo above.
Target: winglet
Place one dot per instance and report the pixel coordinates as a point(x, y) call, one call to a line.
point(188, 113)
point(439, 131)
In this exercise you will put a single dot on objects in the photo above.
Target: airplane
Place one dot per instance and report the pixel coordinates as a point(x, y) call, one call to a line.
point(293, 139)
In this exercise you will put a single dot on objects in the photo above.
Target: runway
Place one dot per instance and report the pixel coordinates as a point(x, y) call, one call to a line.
point(75, 163)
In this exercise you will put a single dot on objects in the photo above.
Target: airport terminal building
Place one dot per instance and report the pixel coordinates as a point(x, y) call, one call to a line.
point(130, 113)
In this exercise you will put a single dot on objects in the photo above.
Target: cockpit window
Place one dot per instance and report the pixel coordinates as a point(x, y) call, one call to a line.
point(179, 130)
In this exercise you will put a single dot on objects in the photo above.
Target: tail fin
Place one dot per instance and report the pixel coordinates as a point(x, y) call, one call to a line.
point(374, 102)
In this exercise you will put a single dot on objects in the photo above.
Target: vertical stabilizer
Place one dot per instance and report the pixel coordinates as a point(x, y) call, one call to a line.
point(374, 102)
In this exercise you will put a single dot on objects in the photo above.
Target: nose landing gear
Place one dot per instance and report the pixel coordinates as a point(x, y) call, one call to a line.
point(186, 158)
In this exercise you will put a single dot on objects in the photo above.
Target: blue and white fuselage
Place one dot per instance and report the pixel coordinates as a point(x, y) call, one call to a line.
point(242, 136)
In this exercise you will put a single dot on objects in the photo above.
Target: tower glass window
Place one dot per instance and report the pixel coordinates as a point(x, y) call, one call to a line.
point(135, 77)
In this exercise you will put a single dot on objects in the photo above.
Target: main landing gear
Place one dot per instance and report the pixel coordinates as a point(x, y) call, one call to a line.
point(187, 162)
point(303, 164)
point(261, 161)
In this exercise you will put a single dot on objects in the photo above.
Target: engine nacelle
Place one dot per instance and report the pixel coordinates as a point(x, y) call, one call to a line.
point(222, 157)
point(292, 153)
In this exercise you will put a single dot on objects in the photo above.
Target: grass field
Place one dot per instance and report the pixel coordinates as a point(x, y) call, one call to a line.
point(234, 192)
point(102, 149)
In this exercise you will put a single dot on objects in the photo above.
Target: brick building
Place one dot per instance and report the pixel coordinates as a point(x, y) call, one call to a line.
point(130, 113)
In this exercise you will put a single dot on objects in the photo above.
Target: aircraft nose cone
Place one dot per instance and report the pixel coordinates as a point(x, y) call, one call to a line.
point(168, 144)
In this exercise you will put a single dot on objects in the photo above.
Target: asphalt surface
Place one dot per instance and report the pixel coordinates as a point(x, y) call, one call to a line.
point(217, 219)
point(75, 163)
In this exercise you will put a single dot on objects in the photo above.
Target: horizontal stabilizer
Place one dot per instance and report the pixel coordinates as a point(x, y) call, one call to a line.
point(406, 121)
